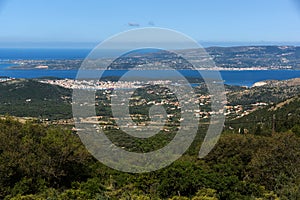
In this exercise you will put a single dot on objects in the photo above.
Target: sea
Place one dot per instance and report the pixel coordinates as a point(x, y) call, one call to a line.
point(241, 78)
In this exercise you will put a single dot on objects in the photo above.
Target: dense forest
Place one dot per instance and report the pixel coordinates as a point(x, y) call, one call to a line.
point(46, 162)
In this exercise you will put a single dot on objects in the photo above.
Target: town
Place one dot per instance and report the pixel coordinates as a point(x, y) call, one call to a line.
point(160, 96)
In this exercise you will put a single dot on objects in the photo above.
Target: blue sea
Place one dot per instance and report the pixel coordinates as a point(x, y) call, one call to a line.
point(241, 78)
point(36, 54)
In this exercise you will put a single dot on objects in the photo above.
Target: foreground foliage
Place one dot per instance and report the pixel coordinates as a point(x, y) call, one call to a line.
point(39, 162)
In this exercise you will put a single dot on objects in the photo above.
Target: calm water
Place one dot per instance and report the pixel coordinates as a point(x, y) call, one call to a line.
point(36, 54)
point(244, 78)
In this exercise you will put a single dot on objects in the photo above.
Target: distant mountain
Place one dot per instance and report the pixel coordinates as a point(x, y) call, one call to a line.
point(272, 57)
point(260, 57)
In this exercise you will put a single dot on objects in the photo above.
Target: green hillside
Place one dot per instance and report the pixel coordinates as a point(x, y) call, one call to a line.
point(26, 98)
point(279, 117)
point(50, 162)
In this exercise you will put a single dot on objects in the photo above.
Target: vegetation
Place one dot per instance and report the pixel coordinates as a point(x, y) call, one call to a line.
point(29, 98)
point(39, 162)
point(272, 92)
point(280, 117)
point(257, 156)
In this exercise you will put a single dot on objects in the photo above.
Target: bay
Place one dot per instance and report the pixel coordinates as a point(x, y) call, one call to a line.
point(241, 78)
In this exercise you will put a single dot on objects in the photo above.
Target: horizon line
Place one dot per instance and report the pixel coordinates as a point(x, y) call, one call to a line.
point(89, 45)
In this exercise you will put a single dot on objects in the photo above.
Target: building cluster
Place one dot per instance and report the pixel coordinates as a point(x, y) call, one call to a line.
point(165, 98)
point(237, 111)
point(102, 85)
point(5, 79)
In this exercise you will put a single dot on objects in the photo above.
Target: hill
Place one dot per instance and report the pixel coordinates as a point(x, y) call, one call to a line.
point(277, 117)
point(266, 57)
point(256, 56)
point(25, 98)
point(272, 91)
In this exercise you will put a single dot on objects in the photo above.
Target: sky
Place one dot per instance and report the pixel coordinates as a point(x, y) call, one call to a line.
point(50, 22)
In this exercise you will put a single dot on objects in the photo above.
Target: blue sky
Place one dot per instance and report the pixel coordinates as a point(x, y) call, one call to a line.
point(71, 21)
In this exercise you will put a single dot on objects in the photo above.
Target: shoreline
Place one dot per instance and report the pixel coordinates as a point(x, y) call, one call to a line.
point(244, 78)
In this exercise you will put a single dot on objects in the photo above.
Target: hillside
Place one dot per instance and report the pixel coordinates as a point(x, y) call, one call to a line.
point(256, 56)
point(277, 117)
point(272, 91)
point(25, 98)
point(51, 163)
point(266, 57)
